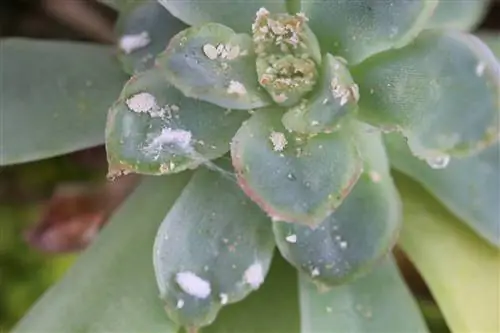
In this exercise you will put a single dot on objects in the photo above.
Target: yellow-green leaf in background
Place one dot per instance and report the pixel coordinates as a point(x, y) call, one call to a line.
point(461, 270)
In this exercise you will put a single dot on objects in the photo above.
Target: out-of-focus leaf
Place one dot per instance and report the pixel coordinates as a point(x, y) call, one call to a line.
point(154, 129)
point(442, 92)
point(458, 14)
point(294, 178)
point(378, 302)
point(469, 187)
point(74, 215)
point(492, 39)
point(461, 270)
point(54, 97)
point(213, 248)
point(145, 32)
point(353, 239)
point(236, 14)
point(271, 309)
point(213, 63)
point(358, 29)
point(111, 287)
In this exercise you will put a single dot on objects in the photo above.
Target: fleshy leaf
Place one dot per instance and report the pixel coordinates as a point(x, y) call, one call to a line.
point(236, 14)
point(442, 92)
point(468, 187)
point(54, 96)
point(353, 239)
point(213, 248)
point(378, 302)
point(145, 32)
point(154, 129)
point(258, 312)
point(111, 287)
point(460, 269)
point(294, 178)
point(214, 64)
point(336, 96)
point(358, 29)
point(458, 14)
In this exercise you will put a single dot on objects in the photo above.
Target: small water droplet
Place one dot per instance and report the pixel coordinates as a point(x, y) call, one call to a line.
point(438, 162)
point(291, 176)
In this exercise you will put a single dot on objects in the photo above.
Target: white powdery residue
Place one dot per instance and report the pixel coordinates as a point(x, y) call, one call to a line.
point(254, 275)
point(237, 88)
point(375, 176)
point(130, 43)
point(210, 51)
point(223, 299)
point(181, 139)
point(193, 284)
point(480, 68)
point(291, 239)
point(142, 102)
point(315, 272)
point(278, 140)
point(343, 244)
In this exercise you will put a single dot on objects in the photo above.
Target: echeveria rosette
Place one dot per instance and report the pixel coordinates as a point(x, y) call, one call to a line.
point(299, 103)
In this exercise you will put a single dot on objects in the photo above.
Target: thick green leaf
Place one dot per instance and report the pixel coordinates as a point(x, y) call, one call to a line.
point(442, 92)
point(145, 32)
point(111, 287)
point(336, 96)
point(458, 14)
point(271, 309)
point(378, 302)
point(358, 29)
point(214, 64)
point(461, 270)
point(469, 187)
point(353, 239)
point(154, 129)
point(236, 14)
point(213, 248)
point(293, 178)
point(54, 97)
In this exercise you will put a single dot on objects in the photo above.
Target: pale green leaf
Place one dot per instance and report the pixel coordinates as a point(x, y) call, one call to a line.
point(469, 187)
point(458, 14)
point(442, 92)
point(353, 239)
point(111, 287)
point(154, 129)
point(461, 270)
point(145, 32)
point(54, 97)
point(378, 302)
point(213, 248)
point(236, 14)
point(214, 64)
point(358, 29)
point(294, 178)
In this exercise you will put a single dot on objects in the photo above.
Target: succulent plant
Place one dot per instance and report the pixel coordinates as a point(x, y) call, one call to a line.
point(284, 119)
point(301, 99)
